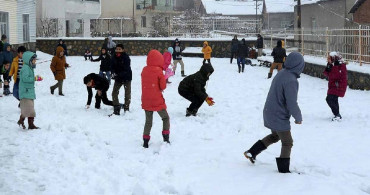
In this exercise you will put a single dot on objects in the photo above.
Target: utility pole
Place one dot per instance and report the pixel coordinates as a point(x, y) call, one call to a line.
point(133, 14)
point(256, 17)
point(299, 23)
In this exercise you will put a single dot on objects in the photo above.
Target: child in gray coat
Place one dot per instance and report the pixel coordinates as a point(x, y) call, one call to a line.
point(281, 104)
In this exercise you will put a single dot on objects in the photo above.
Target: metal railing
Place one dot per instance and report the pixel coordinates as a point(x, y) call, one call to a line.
point(352, 43)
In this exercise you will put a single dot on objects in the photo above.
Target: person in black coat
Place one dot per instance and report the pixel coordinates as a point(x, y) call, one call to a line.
point(122, 73)
point(101, 85)
point(88, 55)
point(259, 44)
point(279, 55)
point(193, 89)
point(2, 41)
point(62, 44)
point(105, 66)
point(234, 48)
point(242, 53)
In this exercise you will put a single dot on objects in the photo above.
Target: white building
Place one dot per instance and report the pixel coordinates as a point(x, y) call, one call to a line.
point(66, 17)
point(18, 21)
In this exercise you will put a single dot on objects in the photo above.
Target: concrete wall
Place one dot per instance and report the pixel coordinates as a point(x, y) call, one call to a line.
point(117, 8)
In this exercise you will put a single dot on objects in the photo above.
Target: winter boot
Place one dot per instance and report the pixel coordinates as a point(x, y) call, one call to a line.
point(188, 112)
point(52, 90)
point(126, 108)
point(21, 122)
point(191, 112)
point(146, 139)
point(61, 94)
point(283, 165)
point(239, 68)
point(117, 110)
point(257, 148)
point(243, 68)
point(6, 90)
point(30, 123)
point(269, 75)
point(168, 82)
point(166, 136)
point(337, 118)
point(183, 74)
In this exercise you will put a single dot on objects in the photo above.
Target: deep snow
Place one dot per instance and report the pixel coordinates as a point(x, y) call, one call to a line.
point(81, 151)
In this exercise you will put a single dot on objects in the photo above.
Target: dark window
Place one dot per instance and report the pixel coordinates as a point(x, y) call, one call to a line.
point(26, 27)
point(4, 24)
point(143, 21)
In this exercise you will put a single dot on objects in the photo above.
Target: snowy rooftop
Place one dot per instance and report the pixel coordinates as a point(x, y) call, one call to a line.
point(248, 7)
point(232, 7)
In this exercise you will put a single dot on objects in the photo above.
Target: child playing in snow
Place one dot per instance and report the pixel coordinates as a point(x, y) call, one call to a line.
point(27, 93)
point(336, 71)
point(15, 69)
point(193, 89)
point(88, 55)
point(58, 67)
point(206, 50)
point(105, 65)
point(153, 83)
point(281, 104)
point(6, 55)
point(4, 70)
point(101, 85)
point(167, 61)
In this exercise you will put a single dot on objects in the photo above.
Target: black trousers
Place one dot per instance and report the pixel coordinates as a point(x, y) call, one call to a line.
point(104, 98)
point(209, 61)
point(233, 55)
point(196, 102)
point(332, 101)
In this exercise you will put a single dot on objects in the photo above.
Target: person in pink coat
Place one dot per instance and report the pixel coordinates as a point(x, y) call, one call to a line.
point(167, 56)
point(153, 83)
point(336, 71)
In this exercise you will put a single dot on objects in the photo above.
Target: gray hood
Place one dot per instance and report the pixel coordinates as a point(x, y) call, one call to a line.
point(294, 63)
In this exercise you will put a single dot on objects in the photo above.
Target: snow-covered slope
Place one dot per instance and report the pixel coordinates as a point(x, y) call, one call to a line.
point(81, 151)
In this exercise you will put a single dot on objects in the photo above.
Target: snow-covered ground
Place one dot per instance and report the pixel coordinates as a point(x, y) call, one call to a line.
point(79, 151)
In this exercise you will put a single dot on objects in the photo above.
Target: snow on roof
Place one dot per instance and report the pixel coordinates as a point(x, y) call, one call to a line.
point(232, 7)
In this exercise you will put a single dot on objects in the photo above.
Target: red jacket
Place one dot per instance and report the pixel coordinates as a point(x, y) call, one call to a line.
point(167, 60)
point(153, 83)
point(337, 80)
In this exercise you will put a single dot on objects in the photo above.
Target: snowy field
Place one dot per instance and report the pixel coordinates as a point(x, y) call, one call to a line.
point(79, 151)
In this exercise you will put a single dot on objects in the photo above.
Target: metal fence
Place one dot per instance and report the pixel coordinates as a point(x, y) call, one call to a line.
point(352, 43)
point(116, 27)
point(212, 27)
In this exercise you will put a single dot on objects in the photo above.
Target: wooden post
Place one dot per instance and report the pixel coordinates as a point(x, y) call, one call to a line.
point(286, 45)
point(302, 45)
point(271, 39)
point(327, 42)
point(359, 45)
point(121, 27)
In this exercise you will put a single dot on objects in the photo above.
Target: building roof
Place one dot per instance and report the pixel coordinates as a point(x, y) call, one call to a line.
point(356, 6)
point(232, 7)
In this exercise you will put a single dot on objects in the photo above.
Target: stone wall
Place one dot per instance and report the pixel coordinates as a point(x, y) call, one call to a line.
point(356, 80)
point(221, 49)
point(77, 47)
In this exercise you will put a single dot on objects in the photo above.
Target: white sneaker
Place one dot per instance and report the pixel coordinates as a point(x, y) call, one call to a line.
point(337, 118)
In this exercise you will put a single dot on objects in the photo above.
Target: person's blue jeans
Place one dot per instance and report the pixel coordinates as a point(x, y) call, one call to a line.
point(107, 75)
point(241, 61)
point(16, 89)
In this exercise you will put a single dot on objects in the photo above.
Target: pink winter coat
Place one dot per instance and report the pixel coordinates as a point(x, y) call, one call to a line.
point(153, 83)
point(167, 60)
point(337, 80)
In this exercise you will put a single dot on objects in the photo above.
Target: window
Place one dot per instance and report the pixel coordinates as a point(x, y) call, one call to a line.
point(314, 24)
point(285, 24)
point(79, 26)
point(26, 27)
point(143, 21)
point(4, 24)
point(168, 3)
point(154, 3)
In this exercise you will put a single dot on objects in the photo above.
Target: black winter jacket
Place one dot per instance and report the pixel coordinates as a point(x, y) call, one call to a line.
point(279, 54)
point(195, 83)
point(242, 51)
point(177, 55)
point(105, 62)
point(100, 83)
point(234, 45)
point(121, 68)
point(260, 43)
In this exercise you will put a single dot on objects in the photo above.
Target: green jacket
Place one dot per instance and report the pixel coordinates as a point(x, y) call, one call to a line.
point(27, 78)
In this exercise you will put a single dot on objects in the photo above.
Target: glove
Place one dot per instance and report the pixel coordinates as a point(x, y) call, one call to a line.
point(210, 101)
point(38, 78)
point(87, 106)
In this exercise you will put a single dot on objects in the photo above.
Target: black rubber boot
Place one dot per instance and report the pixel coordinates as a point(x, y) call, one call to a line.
point(256, 149)
point(283, 165)
point(117, 110)
point(183, 74)
point(243, 67)
point(239, 68)
point(146, 143)
point(269, 75)
point(166, 138)
point(188, 112)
